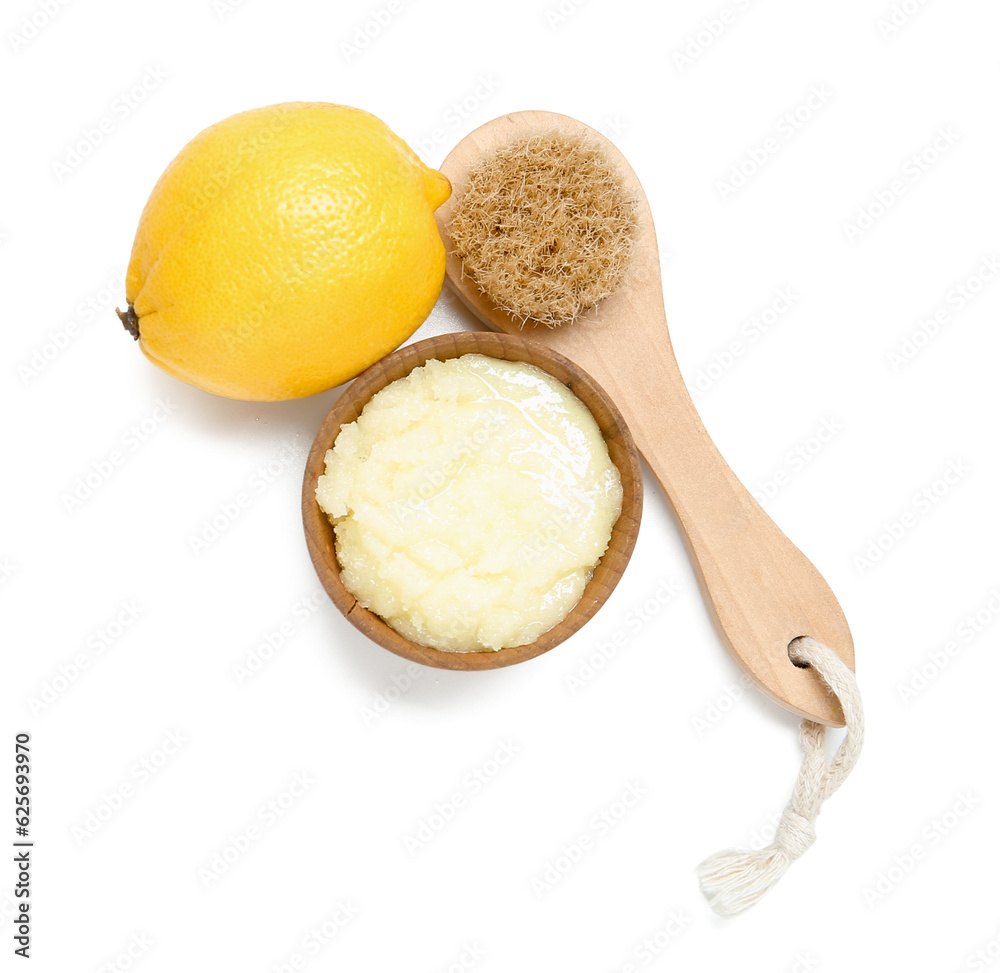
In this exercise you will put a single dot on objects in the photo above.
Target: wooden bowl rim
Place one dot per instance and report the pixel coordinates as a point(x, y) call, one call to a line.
point(607, 573)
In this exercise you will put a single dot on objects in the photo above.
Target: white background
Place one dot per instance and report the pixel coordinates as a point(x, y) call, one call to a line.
point(898, 877)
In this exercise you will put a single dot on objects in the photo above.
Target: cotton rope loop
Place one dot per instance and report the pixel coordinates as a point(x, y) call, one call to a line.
point(734, 880)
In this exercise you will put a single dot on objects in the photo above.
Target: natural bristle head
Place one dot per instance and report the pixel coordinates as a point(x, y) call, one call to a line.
point(544, 227)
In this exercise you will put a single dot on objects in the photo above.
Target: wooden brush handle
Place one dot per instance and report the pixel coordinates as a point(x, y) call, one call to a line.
point(762, 591)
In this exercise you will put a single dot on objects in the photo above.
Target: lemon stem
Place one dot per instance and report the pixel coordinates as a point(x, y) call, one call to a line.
point(130, 320)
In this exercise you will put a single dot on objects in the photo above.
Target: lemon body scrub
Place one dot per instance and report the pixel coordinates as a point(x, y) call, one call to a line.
point(471, 501)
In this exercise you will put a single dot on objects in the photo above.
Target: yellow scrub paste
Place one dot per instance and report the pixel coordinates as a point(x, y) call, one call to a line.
point(471, 500)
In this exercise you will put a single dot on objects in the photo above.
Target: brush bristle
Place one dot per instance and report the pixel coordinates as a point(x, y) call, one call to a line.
point(545, 228)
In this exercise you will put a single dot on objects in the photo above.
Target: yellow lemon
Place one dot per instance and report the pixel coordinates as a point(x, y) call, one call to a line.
point(284, 250)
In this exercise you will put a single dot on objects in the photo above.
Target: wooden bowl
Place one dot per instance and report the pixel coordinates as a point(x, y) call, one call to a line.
point(319, 530)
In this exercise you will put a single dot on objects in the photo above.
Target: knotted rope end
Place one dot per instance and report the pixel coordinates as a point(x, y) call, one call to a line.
point(734, 880)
